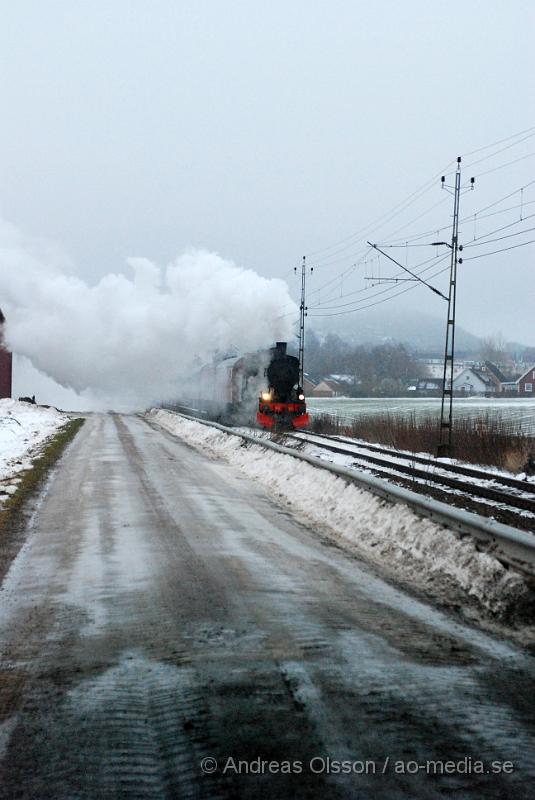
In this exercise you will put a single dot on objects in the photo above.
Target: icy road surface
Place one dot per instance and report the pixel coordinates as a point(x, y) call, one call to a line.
point(164, 610)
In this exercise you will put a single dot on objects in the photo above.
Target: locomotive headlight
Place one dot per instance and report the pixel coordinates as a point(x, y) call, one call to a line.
point(301, 396)
point(266, 396)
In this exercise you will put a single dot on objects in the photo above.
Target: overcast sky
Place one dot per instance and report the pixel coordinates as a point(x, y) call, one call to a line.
point(264, 131)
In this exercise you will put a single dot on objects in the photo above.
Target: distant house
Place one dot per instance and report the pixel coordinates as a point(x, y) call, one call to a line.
point(426, 385)
point(329, 388)
point(308, 385)
point(510, 386)
point(474, 381)
point(343, 378)
point(6, 364)
point(526, 383)
point(434, 367)
point(495, 374)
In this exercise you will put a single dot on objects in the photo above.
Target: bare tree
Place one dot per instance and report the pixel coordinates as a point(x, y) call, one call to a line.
point(494, 349)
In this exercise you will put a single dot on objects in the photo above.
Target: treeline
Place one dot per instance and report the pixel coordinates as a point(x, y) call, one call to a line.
point(383, 369)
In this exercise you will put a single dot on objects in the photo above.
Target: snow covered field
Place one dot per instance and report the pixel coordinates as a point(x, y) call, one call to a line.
point(520, 412)
point(23, 428)
point(393, 537)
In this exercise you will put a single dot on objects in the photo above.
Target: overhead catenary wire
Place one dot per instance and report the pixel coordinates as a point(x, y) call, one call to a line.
point(364, 254)
point(501, 150)
point(479, 212)
point(478, 242)
point(341, 251)
point(407, 240)
point(328, 260)
point(397, 209)
point(380, 302)
point(506, 197)
point(519, 137)
point(507, 164)
point(483, 236)
point(502, 250)
point(500, 141)
point(342, 275)
point(323, 306)
point(335, 310)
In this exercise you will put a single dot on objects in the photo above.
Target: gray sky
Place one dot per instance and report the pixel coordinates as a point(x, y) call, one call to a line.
point(265, 131)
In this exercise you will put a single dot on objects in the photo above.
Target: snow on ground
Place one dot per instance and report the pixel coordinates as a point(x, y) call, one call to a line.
point(392, 536)
point(23, 428)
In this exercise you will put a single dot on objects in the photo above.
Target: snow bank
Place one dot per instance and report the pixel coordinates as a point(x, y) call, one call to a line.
point(392, 536)
point(23, 427)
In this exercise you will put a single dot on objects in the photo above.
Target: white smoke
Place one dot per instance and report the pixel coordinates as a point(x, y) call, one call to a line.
point(130, 338)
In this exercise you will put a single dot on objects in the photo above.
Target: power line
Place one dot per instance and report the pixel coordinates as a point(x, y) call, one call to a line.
point(477, 243)
point(500, 238)
point(507, 164)
point(409, 242)
point(431, 208)
point(379, 302)
point(327, 262)
point(342, 275)
point(403, 241)
point(414, 275)
point(503, 210)
point(324, 307)
point(503, 250)
point(341, 244)
point(502, 150)
point(369, 231)
point(411, 198)
point(505, 197)
point(500, 141)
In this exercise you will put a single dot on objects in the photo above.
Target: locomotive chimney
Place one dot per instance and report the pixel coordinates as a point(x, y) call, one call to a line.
point(280, 349)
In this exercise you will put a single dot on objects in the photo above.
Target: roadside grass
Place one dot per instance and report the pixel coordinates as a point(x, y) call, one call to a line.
point(31, 478)
point(486, 439)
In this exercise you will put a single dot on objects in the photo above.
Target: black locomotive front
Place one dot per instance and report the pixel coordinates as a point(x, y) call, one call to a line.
point(282, 404)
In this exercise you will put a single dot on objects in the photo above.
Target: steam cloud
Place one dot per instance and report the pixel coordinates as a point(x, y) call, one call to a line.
point(132, 338)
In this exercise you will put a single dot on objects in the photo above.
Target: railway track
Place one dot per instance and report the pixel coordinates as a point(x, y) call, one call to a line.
point(501, 497)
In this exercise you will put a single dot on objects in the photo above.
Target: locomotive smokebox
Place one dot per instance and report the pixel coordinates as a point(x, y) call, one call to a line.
point(282, 373)
point(283, 405)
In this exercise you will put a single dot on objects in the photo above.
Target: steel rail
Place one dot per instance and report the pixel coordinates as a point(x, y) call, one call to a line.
point(458, 469)
point(472, 489)
point(513, 547)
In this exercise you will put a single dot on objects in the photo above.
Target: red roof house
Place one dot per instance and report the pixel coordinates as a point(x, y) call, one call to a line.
point(526, 383)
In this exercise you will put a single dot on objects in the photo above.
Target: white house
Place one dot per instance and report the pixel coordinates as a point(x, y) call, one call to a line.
point(473, 381)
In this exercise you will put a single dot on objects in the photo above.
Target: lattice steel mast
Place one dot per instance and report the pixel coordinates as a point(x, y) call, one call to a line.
point(302, 314)
point(446, 408)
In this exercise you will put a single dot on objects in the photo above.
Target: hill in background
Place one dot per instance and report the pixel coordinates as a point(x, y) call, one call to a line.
point(419, 331)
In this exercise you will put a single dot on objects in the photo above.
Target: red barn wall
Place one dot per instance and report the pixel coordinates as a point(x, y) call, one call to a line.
point(6, 370)
point(526, 384)
point(6, 364)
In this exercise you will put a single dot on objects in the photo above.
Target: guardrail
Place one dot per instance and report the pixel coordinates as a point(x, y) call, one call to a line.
point(513, 547)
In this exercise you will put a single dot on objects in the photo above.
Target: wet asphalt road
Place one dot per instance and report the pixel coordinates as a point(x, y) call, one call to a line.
point(165, 610)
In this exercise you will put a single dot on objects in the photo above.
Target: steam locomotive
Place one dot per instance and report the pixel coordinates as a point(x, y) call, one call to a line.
point(233, 388)
point(282, 404)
